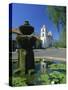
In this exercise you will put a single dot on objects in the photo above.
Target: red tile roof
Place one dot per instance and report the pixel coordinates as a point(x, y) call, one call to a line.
point(16, 30)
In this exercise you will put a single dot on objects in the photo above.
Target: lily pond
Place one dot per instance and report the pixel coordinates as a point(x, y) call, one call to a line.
point(46, 73)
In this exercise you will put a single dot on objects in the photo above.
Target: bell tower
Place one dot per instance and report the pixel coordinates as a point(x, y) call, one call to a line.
point(43, 36)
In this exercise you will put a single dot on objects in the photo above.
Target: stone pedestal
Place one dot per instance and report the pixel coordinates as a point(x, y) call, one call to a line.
point(22, 54)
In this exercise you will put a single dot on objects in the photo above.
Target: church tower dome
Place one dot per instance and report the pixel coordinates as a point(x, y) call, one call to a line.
point(50, 33)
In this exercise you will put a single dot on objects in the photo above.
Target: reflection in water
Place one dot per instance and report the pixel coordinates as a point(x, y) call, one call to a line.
point(42, 66)
point(46, 72)
point(43, 71)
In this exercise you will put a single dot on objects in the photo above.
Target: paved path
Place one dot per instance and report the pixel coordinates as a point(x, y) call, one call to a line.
point(51, 53)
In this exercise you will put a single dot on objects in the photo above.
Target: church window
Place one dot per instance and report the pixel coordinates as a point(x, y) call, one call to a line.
point(43, 30)
point(43, 35)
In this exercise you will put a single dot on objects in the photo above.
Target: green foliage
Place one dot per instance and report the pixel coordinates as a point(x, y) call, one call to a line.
point(44, 78)
point(57, 76)
point(18, 81)
point(57, 66)
point(58, 15)
point(55, 44)
point(60, 43)
point(63, 37)
point(38, 43)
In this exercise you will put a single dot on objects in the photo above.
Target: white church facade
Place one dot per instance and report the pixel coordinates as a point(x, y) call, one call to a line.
point(46, 37)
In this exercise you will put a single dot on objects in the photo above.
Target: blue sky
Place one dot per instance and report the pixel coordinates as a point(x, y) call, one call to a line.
point(37, 15)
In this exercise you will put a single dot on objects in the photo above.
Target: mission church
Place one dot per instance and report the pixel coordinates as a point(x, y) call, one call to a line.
point(45, 37)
